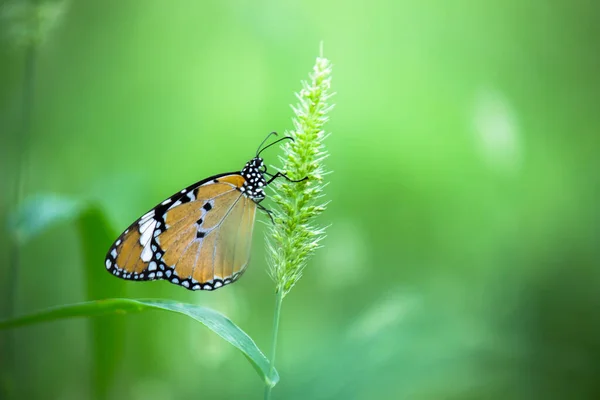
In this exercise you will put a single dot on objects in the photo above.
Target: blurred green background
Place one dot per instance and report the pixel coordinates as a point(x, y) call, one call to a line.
point(462, 258)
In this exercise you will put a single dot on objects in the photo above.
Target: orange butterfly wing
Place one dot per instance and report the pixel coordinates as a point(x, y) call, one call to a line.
point(199, 238)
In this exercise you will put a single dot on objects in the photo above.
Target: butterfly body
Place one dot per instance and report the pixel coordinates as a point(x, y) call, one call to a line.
point(198, 238)
point(254, 179)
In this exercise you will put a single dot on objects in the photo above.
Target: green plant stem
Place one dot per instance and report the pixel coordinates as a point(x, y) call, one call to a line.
point(14, 252)
point(277, 313)
point(23, 145)
point(22, 153)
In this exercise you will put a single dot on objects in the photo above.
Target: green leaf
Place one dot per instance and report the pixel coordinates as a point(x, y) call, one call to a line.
point(39, 213)
point(215, 321)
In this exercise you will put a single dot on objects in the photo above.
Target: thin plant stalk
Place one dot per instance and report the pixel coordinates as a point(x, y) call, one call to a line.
point(14, 253)
point(26, 25)
point(294, 236)
point(276, 315)
point(24, 134)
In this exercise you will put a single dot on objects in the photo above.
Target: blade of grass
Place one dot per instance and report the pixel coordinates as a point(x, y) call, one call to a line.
point(215, 321)
point(14, 257)
point(105, 331)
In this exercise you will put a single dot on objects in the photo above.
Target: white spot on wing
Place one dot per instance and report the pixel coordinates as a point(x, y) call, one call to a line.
point(146, 254)
point(149, 214)
point(147, 233)
point(108, 264)
point(144, 226)
point(113, 253)
point(152, 266)
point(167, 201)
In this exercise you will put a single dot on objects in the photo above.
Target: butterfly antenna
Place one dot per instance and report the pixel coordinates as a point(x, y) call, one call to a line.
point(274, 143)
point(263, 142)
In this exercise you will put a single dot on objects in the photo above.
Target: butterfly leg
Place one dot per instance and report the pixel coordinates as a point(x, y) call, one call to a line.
point(266, 210)
point(280, 175)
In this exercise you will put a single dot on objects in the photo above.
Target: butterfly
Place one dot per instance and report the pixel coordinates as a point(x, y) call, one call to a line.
point(200, 237)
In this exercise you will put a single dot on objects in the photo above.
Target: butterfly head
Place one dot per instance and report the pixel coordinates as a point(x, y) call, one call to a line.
point(253, 174)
